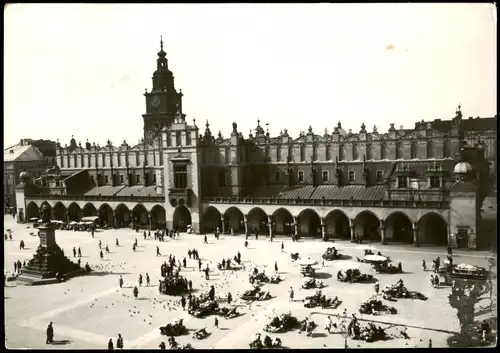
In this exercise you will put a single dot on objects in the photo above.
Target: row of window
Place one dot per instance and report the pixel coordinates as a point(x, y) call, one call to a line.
point(122, 179)
point(325, 176)
point(369, 152)
point(434, 182)
point(105, 157)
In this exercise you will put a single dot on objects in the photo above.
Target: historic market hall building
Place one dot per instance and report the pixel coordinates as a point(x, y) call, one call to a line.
point(424, 185)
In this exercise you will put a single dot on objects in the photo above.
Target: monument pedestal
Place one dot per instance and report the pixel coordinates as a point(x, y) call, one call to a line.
point(48, 261)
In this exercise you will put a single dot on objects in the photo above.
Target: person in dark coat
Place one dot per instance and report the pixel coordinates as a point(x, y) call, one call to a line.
point(158, 251)
point(148, 280)
point(50, 334)
point(110, 344)
point(189, 253)
point(199, 265)
point(119, 342)
point(184, 262)
point(102, 255)
point(136, 292)
point(183, 303)
point(74, 252)
point(162, 345)
point(205, 240)
point(79, 252)
point(276, 266)
point(120, 281)
point(229, 298)
point(190, 285)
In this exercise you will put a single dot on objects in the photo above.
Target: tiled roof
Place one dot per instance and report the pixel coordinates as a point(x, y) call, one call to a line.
point(269, 191)
point(20, 153)
point(481, 124)
point(137, 190)
point(304, 192)
point(104, 190)
point(349, 192)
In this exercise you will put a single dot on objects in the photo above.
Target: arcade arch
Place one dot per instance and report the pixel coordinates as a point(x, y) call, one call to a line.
point(337, 225)
point(367, 225)
point(106, 215)
point(432, 229)
point(158, 217)
point(309, 223)
point(74, 212)
point(398, 228)
point(122, 215)
point(140, 215)
point(32, 211)
point(59, 212)
point(89, 210)
point(212, 220)
point(257, 221)
point(235, 220)
point(283, 223)
point(182, 218)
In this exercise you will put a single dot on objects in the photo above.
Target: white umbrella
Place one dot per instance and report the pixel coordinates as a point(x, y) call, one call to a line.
point(376, 258)
point(73, 223)
point(346, 265)
point(33, 219)
point(365, 247)
point(306, 262)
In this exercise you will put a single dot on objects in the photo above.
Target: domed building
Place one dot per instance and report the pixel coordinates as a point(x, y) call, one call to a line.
point(389, 186)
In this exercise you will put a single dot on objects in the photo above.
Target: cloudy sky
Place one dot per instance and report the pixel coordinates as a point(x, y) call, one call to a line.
point(82, 69)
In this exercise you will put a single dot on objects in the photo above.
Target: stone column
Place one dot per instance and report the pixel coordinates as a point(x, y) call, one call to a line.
point(415, 234)
point(223, 224)
point(323, 228)
point(246, 225)
point(114, 222)
point(67, 216)
point(296, 225)
point(382, 231)
point(150, 218)
point(270, 225)
point(352, 224)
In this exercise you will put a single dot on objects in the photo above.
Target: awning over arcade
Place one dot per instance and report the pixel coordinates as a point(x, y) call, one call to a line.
point(138, 190)
point(104, 190)
point(90, 219)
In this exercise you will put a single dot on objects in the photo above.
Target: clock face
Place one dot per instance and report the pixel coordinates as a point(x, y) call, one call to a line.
point(155, 101)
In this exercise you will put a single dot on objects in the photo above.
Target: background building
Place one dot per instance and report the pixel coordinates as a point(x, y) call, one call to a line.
point(394, 185)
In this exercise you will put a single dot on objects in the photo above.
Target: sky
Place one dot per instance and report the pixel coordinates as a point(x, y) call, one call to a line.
point(81, 69)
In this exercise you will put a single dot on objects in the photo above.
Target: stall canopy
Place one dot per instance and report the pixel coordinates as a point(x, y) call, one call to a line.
point(90, 219)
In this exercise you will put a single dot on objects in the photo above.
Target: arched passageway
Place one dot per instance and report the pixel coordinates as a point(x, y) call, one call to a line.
point(367, 225)
point(234, 220)
point(182, 218)
point(257, 221)
point(140, 215)
point(122, 215)
point(432, 229)
point(309, 224)
point(158, 219)
point(32, 211)
point(89, 210)
point(337, 225)
point(59, 212)
point(106, 215)
point(74, 212)
point(398, 227)
point(283, 222)
point(212, 220)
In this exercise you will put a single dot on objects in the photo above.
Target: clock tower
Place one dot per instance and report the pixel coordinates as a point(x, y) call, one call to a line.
point(163, 102)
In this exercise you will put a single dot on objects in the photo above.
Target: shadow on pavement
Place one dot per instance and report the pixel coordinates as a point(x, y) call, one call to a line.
point(323, 275)
point(345, 257)
point(61, 342)
point(104, 273)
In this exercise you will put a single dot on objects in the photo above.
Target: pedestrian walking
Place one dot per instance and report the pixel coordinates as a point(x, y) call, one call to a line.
point(79, 252)
point(229, 298)
point(147, 279)
point(184, 262)
point(189, 253)
point(190, 285)
point(430, 343)
point(140, 280)
point(117, 244)
point(377, 288)
point(291, 293)
point(134, 247)
point(136, 292)
point(100, 244)
point(276, 266)
point(199, 265)
point(282, 246)
point(158, 251)
point(246, 244)
point(424, 265)
point(79, 262)
point(216, 323)
point(120, 281)
point(102, 255)
point(205, 240)
point(50, 334)
point(110, 344)
point(162, 346)
point(107, 249)
point(74, 252)
point(183, 303)
point(119, 342)
point(15, 266)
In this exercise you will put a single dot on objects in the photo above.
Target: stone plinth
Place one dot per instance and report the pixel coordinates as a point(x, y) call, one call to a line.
point(48, 261)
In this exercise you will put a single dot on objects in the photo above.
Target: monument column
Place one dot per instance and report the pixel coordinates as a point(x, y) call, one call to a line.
point(246, 225)
point(270, 225)
point(382, 231)
point(352, 225)
point(223, 224)
point(415, 234)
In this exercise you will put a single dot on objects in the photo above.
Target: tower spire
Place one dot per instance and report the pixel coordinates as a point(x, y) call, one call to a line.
point(161, 43)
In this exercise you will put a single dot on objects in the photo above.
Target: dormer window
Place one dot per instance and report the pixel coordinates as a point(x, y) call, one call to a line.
point(352, 176)
point(380, 175)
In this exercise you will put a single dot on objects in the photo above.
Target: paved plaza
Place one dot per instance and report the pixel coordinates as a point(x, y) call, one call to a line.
point(86, 311)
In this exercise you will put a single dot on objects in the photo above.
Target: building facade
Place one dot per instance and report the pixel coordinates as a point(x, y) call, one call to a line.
point(33, 156)
point(404, 185)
